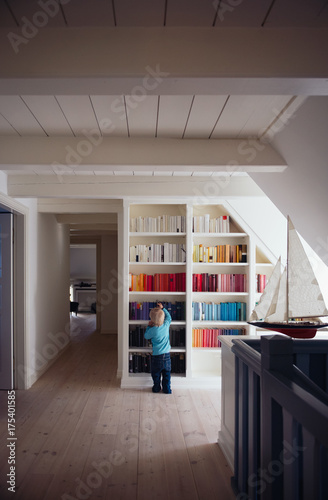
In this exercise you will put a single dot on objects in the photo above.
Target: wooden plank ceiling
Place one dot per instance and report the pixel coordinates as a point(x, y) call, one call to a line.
point(183, 117)
point(216, 13)
point(205, 117)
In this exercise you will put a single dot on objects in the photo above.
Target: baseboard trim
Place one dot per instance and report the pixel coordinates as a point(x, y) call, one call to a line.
point(108, 332)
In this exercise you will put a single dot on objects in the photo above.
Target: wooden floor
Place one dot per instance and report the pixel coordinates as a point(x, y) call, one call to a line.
point(79, 436)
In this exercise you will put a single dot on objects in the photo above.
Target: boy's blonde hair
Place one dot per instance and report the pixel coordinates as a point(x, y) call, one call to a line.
point(157, 316)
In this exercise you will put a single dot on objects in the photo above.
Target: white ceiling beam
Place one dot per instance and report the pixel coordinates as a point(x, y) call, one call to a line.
point(71, 206)
point(200, 189)
point(64, 155)
point(176, 61)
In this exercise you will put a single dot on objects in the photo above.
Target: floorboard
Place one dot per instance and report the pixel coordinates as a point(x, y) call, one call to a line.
point(80, 436)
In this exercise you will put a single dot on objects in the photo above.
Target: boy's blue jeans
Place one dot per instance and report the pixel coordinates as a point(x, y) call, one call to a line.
point(161, 367)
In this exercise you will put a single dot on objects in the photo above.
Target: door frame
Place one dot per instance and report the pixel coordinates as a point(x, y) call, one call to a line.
point(20, 329)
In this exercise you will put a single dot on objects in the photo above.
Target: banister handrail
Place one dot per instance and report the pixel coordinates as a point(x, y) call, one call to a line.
point(247, 353)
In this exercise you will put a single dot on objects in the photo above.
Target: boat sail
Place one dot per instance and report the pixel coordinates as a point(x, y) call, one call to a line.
point(292, 302)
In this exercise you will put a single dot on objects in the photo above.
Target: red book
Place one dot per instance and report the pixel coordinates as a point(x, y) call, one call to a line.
point(166, 282)
point(238, 283)
point(178, 282)
point(208, 338)
point(215, 282)
point(198, 289)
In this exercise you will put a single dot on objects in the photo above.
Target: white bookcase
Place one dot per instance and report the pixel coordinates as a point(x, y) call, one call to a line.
point(200, 364)
point(206, 361)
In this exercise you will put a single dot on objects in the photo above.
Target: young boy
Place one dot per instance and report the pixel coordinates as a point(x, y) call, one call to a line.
point(158, 331)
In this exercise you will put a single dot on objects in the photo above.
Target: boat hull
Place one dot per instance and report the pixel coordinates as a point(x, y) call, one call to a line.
point(301, 331)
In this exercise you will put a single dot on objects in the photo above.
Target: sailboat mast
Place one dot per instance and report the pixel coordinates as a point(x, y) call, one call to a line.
point(287, 267)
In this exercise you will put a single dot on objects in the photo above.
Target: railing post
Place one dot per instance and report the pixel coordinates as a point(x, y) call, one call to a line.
point(276, 355)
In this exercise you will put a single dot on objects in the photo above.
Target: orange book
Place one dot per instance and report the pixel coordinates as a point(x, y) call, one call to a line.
point(227, 255)
point(195, 337)
point(222, 256)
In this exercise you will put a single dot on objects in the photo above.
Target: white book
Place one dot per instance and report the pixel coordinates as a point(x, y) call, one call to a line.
point(207, 223)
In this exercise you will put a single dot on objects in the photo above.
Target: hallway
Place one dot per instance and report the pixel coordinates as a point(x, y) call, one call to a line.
point(79, 436)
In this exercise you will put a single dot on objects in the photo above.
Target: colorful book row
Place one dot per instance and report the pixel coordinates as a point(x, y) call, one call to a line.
point(204, 224)
point(159, 224)
point(222, 311)
point(159, 282)
point(261, 281)
point(220, 253)
point(141, 363)
point(140, 310)
point(137, 339)
point(209, 337)
point(204, 282)
point(167, 252)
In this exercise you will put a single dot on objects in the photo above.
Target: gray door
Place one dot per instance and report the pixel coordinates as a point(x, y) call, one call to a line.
point(6, 302)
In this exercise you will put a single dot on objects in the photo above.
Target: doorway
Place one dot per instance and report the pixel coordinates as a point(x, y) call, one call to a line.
point(83, 276)
point(85, 273)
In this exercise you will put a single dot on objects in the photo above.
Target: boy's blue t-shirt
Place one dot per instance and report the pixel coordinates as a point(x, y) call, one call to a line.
point(160, 336)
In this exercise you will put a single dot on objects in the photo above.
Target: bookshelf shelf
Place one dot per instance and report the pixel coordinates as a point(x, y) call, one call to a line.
point(195, 362)
point(156, 235)
point(145, 322)
point(156, 264)
point(208, 349)
point(220, 264)
point(198, 295)
point(223, 324)
point(148, 349)
point(157, 294)
point(218, 235)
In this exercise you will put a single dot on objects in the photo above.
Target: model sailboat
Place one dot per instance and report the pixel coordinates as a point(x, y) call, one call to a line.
point(292, 302)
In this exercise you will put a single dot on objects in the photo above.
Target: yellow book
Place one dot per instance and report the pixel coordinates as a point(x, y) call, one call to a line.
point(206, 256)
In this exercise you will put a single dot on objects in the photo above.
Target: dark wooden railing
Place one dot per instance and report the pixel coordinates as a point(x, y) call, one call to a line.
point(281, 419)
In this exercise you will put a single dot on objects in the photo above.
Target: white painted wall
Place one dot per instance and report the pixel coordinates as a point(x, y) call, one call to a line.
point(83, 262)
point(3, 183)
point(45, 315)
point(301, 190)
point(108, 297)
point(48, 278)
point(270, 226)
point(266, 221)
